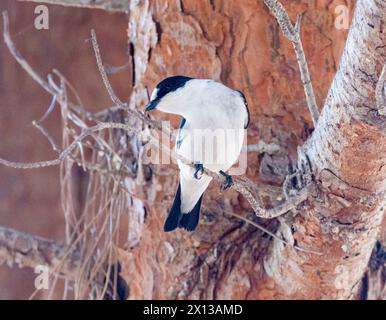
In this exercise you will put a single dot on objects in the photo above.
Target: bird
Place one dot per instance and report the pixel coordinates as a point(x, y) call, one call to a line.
point(210, 135)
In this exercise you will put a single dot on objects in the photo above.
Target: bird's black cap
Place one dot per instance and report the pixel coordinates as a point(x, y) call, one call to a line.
point(166, 86)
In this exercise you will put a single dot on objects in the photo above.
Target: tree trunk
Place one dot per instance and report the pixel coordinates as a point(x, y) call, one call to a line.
point(240, 44)
point(346, 152)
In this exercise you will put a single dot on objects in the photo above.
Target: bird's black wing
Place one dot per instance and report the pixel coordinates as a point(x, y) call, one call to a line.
point(246, 107)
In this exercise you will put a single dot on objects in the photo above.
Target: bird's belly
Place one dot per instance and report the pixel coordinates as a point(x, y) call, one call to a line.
point(215, 149)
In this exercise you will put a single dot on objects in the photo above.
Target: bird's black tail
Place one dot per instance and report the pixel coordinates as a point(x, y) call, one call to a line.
point(177, 219)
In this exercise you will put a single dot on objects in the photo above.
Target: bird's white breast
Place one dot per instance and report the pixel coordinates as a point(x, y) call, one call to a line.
point(214, 131)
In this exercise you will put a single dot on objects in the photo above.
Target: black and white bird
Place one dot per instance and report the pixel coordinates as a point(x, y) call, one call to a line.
point(211, 135)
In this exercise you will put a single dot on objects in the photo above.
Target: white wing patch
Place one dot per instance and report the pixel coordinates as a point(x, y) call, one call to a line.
point(154, 94)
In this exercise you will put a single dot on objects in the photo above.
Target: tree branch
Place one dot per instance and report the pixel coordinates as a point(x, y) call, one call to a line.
point(28, 250)
point(66, 152)
point(107, 5)
point(19, 58)
point(113, 96)
point(292, 33)
point(262, 147)
point(248, 221)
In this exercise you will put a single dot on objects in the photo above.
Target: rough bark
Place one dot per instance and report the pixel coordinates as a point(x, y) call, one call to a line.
point(341, 220)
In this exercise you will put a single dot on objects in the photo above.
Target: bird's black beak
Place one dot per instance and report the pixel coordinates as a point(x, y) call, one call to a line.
point(151, 106)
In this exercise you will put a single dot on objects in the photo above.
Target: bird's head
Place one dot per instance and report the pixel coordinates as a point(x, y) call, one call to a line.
point(168, 95)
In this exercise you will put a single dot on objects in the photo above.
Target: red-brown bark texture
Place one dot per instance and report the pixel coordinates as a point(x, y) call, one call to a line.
point(240, 44)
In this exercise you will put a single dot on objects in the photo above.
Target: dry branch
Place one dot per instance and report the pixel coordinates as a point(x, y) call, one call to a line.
point(292, 33)
point(262, 147)
point(67, 152)
point(113, 96)
point(107, 5)
point(28, 250)
point(19, 58)
point(248, 221)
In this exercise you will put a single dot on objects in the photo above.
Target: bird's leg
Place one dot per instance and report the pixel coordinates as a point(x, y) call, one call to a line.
point(199, 171)
point(228, 181)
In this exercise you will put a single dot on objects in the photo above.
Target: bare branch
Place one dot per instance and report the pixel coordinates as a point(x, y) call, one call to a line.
point(262, 147)
point(296, 247)
point(66, 152)
point(31, 72)
point(380, 92)
point(19, 58)
point(102, 70)
point(29, 165)
point(292, 33)
point(251, 193)
point(28, 250)
point(107, 5)
point(113, 96)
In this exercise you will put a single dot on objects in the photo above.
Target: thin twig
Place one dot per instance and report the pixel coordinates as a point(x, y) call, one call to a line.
point(262, 147)
point(19, 58)
point(81, 163)
point(113, 96)
point(66, 152)
point(292, 33)
point(45, 133)
point(272, 234)
point(24, 64)
point(102, 70)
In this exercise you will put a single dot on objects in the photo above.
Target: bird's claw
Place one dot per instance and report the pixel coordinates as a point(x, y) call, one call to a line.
point(228, 182)
point(199, 171)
